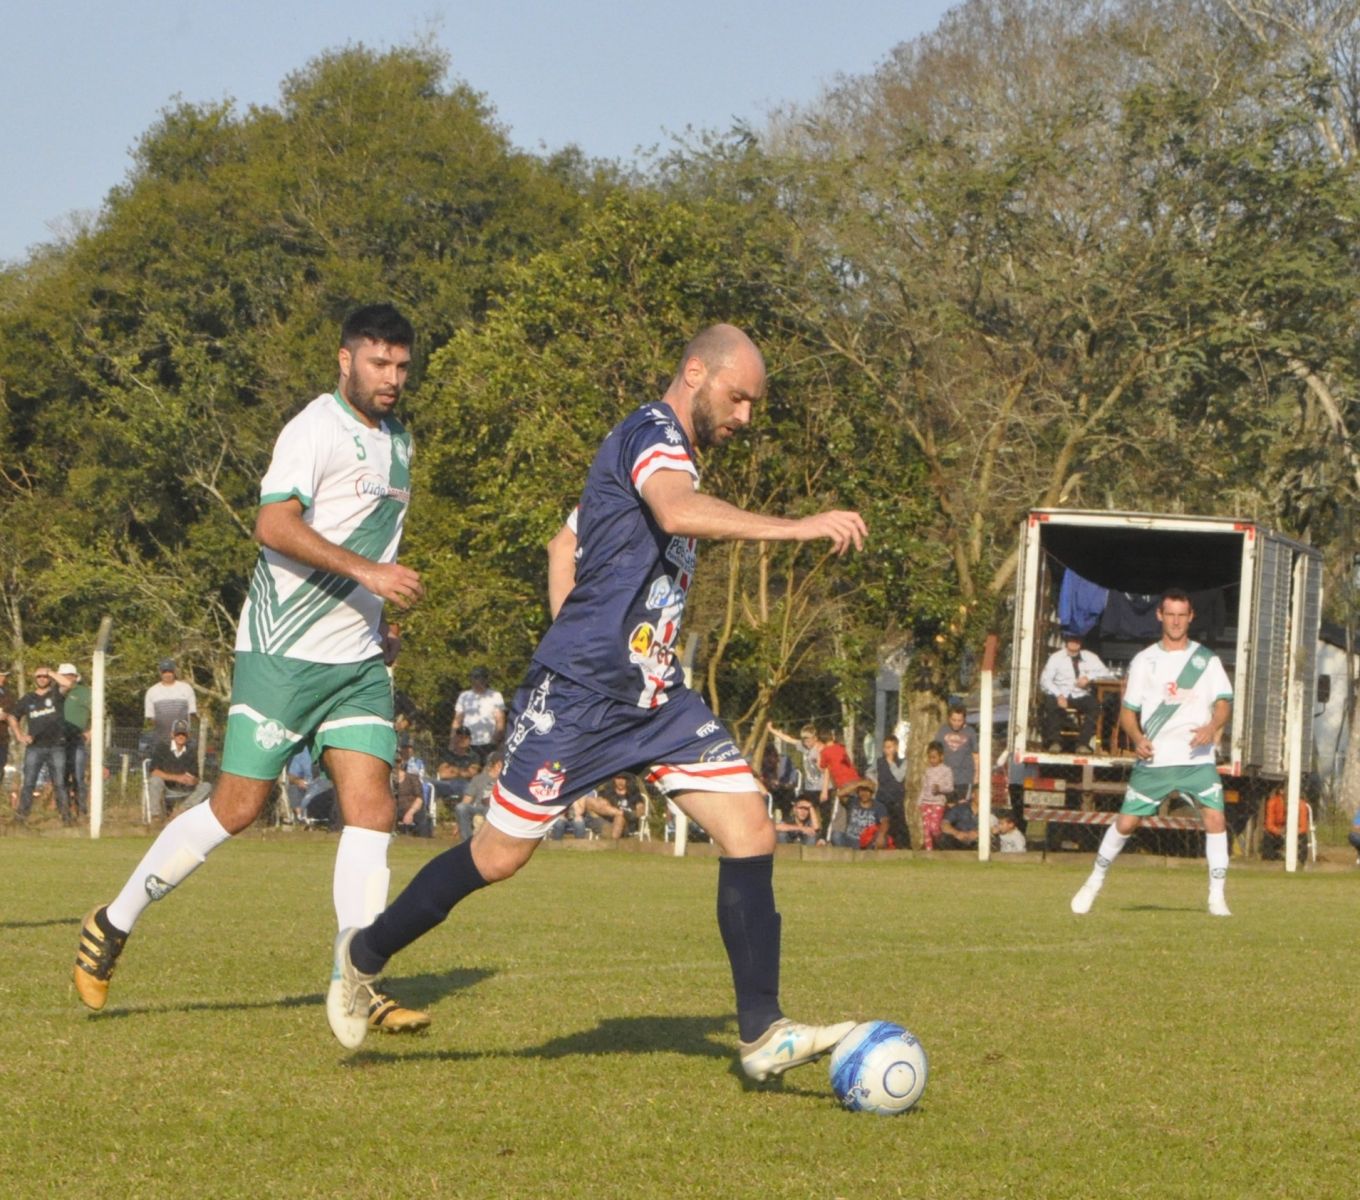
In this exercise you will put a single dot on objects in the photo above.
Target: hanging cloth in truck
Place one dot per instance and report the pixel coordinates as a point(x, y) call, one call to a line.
point(1080, 603)
point(1211, 616)
point(1131, 615)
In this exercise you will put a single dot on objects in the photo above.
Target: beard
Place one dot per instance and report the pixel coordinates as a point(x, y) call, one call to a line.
point(706, 424)
point(365, 399)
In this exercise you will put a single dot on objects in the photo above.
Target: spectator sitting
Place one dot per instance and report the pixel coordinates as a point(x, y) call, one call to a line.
point(937, 787)
point(625, 795)
point(601, 806)
point(573, 821)
point(477, 799)
point(173, 775)
point(1275, 824)
point(838, 772)
point(410, 792)
point(456, 769)
point(861, 823)
point(1065, 684)
point(959, 829)
point(1009, 839)
point(802, 826)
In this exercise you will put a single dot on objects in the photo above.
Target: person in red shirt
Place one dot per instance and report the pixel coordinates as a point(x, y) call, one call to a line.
point(838, 772)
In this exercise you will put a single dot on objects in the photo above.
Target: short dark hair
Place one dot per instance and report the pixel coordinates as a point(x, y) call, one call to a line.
point(959, 708)
point(377, 323)
point(1175, 594)
point(938, 747)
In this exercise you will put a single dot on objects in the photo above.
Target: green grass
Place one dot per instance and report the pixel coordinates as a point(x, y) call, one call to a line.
point(583, 1044)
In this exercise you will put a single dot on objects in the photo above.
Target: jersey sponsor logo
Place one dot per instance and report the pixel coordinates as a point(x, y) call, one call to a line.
point(1171, 693)
point(665, 593)
point(269, 735)
point(157, 888)
point(547, 782)
point(706, 729)
point(723, 751)
point(401, 451)
point(641, 640)
point(680, 551)
point(371, 485)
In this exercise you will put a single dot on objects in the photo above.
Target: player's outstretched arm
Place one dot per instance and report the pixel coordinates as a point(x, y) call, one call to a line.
point(280, 527)
point(680, 510)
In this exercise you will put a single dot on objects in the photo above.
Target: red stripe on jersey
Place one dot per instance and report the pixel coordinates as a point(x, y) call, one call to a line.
point(677, 456)
point(708, 773)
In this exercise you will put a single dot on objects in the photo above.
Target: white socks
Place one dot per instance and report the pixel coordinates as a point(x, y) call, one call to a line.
point(359, 887)
point(1110, 846)
point(1216, 851)
point(174, 855)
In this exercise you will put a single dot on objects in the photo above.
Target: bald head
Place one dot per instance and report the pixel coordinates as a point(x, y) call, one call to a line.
point(720, 346)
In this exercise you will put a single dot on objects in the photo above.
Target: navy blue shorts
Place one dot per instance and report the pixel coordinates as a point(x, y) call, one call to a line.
point(564, 739)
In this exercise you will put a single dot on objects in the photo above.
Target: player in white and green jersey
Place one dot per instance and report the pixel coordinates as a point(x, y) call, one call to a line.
point(1176, 703)
point(309, 648)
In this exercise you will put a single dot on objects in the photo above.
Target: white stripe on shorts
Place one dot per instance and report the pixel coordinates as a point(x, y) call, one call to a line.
point(703, 777)
point(520, 818)
point(244, 710)
point(346, 722)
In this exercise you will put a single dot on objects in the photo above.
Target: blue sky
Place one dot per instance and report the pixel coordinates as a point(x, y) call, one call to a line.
point(83, 80)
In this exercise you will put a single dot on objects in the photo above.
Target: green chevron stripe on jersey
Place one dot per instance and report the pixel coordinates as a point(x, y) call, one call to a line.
point(1195, 666)
point(277, 624)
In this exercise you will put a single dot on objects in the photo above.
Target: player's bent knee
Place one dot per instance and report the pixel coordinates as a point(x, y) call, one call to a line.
point(497, 855)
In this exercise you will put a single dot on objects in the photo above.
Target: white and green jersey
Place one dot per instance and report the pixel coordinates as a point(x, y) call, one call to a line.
point(1174, 692)
point(354, 485)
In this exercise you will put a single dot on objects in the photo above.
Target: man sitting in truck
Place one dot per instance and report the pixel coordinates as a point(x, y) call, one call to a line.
point(1065, 684)
point(1176, 704)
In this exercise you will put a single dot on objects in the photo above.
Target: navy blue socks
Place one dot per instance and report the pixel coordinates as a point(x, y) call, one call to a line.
point(749, 926)
point(426, 901)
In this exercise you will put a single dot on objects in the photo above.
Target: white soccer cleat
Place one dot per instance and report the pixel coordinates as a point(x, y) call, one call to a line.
point(349, 996)
point(1218, 907)
point(1085, 897)
point(787, 1044)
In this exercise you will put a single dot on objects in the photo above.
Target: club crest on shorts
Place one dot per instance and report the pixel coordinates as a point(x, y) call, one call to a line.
point(547, 782)
point(269, 734)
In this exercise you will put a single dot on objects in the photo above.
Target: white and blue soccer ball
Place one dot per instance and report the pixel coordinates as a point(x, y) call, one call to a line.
point(879, 1067)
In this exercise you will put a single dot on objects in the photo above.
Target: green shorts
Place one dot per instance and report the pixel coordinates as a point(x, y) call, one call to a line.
point(278, 703)
point(1149, 786)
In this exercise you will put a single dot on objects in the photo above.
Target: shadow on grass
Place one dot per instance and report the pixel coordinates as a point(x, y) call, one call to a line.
point(1161, 908)
point(40, 924)
point(698, 1036)
point(415, 991)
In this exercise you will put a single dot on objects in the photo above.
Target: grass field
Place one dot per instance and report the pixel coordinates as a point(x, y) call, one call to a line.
point(583, 1046)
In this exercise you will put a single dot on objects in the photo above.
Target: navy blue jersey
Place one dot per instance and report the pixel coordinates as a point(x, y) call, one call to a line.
point(616, 631)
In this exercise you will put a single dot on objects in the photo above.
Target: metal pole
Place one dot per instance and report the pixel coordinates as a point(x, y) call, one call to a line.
point(101, 645)
point(984, 842)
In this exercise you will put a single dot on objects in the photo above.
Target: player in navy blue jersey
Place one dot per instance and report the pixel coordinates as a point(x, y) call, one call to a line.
point(605, 694)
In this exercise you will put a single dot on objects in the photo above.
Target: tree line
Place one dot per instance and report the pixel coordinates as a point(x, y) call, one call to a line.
point(1056, 252)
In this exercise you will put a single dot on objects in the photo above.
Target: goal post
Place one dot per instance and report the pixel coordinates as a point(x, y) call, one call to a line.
point(98, 726)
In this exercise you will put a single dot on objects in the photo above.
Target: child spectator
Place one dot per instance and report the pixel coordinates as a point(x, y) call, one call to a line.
point(1009, 839)
point(937, 786)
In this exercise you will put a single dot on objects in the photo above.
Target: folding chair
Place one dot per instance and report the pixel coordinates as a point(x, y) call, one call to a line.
point(146, 791)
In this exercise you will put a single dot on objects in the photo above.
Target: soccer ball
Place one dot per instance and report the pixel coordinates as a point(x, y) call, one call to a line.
point(879, 1067)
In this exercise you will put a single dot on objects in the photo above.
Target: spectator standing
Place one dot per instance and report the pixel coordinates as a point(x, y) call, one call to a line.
point(890, 773)
point(77, 711)
point(960, 742)
point(838, 773)
point(173, 775)
point(937, 787)
point(45, 741)
point(481, 711)
point(170, 700)
point(810, 746)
